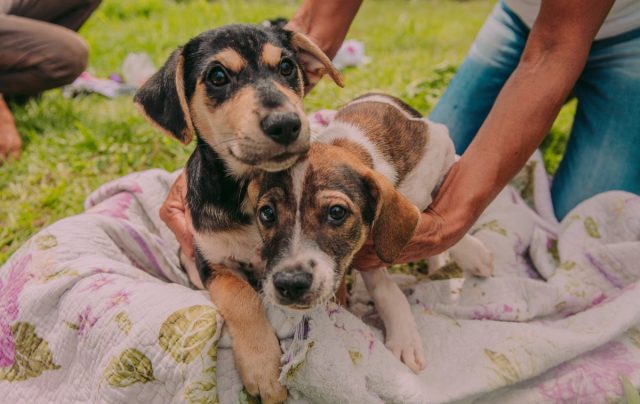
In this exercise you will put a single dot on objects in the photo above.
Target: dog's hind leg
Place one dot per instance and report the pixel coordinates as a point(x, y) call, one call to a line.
point(401, 333)
point(255, 345)
point(473, 256)
point(434, 263)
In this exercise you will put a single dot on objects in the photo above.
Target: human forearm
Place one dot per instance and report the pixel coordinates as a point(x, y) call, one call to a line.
point(524, 111)
point(325, 21)
point(521, 117)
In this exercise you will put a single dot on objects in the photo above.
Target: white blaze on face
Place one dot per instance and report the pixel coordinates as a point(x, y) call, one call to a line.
point(304, 253)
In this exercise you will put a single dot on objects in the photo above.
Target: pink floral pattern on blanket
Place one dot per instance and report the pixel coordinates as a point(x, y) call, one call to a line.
point(592, 378)
point(494, 312)
point(9, 291)
point(116, 206)
point(90, 315)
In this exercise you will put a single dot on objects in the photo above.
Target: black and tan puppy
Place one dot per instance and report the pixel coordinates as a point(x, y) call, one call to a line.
point(239, 90)
point(369, 173)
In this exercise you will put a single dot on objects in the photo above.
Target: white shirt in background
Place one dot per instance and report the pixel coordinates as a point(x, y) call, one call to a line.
point(624, 16)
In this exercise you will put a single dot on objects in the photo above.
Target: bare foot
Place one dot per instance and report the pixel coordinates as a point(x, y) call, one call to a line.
point(10, 141)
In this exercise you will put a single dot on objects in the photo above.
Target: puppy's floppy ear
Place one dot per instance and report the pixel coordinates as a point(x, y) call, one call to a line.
point(162, 99)
point(314, 61)
point(396, 218)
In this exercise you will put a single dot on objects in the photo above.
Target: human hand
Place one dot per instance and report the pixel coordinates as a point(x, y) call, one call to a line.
point(442, 224)
point(10, 141)
point(326, 23)
point(174, 212)
point(432, 237)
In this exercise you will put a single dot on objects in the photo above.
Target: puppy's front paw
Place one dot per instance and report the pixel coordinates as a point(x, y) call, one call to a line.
point(474, 257)
point(406, 345)
point(258, 364)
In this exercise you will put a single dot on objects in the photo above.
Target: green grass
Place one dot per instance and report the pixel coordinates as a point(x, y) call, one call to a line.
point(73, 146)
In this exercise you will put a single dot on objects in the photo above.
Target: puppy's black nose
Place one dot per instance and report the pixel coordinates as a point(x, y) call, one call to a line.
point(282, 127)
point(292, 285)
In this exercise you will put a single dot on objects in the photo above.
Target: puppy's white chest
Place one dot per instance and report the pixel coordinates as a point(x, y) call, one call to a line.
point(438, 158)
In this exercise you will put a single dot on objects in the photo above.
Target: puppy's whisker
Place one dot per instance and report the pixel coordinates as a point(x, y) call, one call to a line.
point(227, 141)
point(264, 300)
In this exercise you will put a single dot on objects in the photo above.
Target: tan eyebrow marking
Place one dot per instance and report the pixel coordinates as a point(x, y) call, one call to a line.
point(294, 98)
point(333, 195)
point(271, 54)
point(230, 59)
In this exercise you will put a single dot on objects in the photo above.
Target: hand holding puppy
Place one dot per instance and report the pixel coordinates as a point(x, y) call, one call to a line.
point(175, 214)
point(442, 224)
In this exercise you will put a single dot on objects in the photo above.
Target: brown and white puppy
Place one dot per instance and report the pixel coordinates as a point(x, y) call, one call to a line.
point(369, 173)
point(239, 90)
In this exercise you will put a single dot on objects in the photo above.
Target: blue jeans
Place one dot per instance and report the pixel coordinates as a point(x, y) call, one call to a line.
point(603, 152)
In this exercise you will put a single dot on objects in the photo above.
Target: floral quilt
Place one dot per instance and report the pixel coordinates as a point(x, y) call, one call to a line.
point(95, 308)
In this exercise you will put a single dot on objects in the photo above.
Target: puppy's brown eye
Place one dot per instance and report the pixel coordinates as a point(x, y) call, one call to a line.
point(286, 67)
point(218, 77)
point(337, 214)
point(267, 215)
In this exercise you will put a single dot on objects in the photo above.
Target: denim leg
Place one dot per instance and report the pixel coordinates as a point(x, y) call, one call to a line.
point(603, 152)
point(473, 90)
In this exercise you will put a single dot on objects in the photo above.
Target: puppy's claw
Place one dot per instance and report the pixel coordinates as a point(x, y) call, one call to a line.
point(408, 350)
point(413, 361)
point(419, 359)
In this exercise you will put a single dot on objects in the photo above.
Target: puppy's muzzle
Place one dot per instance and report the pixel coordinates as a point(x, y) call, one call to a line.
point(291, 286)
point(282, 127)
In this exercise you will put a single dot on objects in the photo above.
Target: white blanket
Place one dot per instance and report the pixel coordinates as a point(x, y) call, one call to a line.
point(95, 308)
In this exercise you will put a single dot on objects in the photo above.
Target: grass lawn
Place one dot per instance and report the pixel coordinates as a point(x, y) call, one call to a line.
point(71, 146)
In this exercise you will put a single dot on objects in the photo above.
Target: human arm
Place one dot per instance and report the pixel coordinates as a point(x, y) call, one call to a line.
point(175, 214)
point(554, 57)
point(326, 22)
